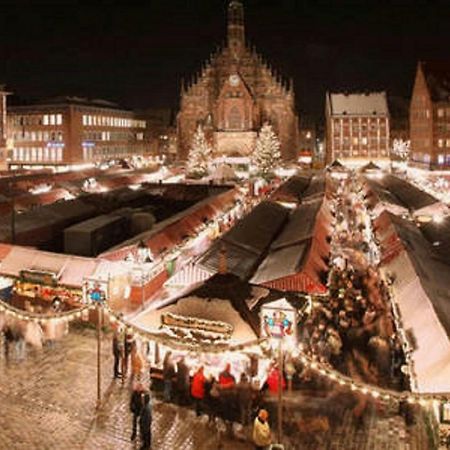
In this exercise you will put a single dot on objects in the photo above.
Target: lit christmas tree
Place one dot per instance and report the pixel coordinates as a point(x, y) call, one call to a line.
point(199, 155)
point(267, 154)
point(401, 149)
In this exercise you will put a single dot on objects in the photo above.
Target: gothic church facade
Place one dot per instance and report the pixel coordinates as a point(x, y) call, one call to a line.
point(235, 93)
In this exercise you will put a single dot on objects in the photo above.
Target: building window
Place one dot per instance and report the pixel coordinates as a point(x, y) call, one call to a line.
point(447, 142)
point(440, 143)
point(440, 112)
point(364, 141)
point(441, 159)
point(45, 119)
point(355, 141)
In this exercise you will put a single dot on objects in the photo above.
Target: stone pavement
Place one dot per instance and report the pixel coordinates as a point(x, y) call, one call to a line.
point(48, 403)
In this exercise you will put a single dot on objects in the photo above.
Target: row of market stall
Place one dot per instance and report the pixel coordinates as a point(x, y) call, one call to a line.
point(131, 273)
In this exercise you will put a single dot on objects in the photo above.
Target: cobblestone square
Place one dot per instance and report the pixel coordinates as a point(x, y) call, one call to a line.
point(48, 403)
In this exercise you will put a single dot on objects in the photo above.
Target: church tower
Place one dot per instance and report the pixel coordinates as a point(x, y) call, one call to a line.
point(236, 29)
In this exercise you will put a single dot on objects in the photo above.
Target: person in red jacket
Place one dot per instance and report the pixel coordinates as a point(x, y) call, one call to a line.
point(273, 379)
point(226, 379)
point(198, 389)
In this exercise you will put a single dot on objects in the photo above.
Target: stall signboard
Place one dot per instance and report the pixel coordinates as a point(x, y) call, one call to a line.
point(95, 291)
point(279, 322)
point(193, 323)
point(38, 277)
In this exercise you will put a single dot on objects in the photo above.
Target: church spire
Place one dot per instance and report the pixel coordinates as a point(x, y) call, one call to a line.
point(236, 29)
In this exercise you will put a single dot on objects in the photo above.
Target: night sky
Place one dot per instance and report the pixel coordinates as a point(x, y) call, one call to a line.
point(136, 55)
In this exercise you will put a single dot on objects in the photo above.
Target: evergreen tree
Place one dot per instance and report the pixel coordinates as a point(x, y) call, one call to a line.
point(199, 155)
point(266, 156)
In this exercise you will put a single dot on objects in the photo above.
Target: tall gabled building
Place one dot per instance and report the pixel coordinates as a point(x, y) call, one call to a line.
point(429, 116)
point(234, 94)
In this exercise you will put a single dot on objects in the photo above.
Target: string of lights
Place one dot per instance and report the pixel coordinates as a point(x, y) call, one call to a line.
point(20, 314)
point(261, 346)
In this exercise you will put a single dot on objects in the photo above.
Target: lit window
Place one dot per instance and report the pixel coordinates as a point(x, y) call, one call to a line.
point(52, 119)
point(45, 119)
point(84, 119)
point(355, 141)
point(447, 142)
point(364, 141)
point(440, 142)
point(440, 112)
point(441, 159)
point(58, 119)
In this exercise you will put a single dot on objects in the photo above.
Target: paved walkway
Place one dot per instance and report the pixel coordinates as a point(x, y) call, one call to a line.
point(48, 402)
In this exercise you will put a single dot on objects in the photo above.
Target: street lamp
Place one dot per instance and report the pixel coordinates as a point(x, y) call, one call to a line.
point(279, 324)
point(96, 291)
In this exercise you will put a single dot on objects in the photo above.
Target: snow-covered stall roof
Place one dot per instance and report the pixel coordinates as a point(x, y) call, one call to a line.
point(247, 242)
point(370, 167)
point(374, 103)
point(171, 232)
point(298, 251)
point(292, 190)
point(222, 298)
point(421, 292)
point(69, 270)
point(392, 190)
point(316, 187)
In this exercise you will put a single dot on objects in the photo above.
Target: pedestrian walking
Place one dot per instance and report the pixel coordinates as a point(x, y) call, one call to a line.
point(8, 339)
point(168, 376)
point(117, 349)
point(262, 436)
point(213, 400)
point(198, 390)
point(136, 404)
point(182, 382)
point(127, 341)
point(145, 423)
point(245, 398)
point(137, 362)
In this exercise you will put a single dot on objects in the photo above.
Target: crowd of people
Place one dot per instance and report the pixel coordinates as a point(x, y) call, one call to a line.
point(223, 399)
point(18, 335)
point(353, 329)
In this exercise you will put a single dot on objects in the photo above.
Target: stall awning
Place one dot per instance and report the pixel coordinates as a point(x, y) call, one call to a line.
point(76, 270)
point(68, 270)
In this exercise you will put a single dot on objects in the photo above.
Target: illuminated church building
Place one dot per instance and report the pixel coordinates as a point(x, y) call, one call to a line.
point(235, 93)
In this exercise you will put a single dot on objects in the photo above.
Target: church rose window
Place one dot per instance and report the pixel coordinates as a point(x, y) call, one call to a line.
point(235, 119)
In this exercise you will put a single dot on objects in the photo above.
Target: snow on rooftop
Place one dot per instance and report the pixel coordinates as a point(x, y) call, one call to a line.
point(373, 103)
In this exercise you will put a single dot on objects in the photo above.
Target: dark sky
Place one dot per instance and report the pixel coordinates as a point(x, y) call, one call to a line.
point(136, 55)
